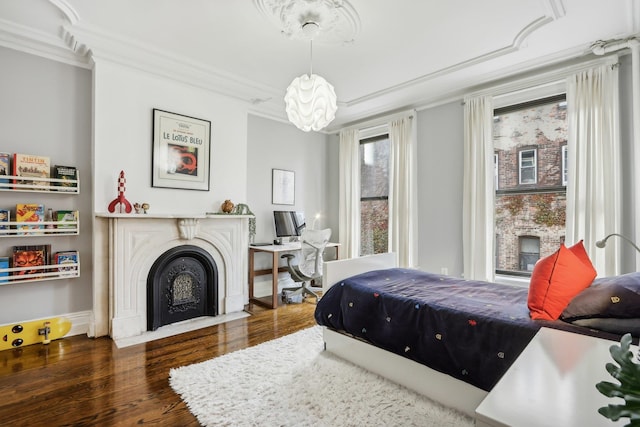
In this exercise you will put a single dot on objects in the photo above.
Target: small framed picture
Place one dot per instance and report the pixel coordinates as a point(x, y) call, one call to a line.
point(181, 151)
point(283, 187)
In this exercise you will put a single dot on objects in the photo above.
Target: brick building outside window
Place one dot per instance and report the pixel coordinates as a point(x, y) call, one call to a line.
point(530, 168)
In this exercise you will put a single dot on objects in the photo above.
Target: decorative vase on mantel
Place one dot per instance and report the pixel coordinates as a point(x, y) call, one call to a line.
point(227, 206)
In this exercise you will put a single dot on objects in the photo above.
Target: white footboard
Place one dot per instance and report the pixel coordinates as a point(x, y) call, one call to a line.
point(334, 271)
point(435, 385)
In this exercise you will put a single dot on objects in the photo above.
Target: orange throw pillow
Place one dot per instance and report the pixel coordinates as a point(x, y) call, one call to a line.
point(558, 278)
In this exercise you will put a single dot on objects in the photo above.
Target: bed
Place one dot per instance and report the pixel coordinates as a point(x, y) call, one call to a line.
point(460, 343)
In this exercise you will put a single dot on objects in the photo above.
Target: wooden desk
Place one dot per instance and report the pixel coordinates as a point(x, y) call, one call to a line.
point(275, 251)
point(553, 383)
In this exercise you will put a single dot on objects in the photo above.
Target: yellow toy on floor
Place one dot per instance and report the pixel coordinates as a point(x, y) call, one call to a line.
point(33, 332)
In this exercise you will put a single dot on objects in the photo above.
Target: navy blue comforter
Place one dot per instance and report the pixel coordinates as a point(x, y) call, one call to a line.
point(470, 330)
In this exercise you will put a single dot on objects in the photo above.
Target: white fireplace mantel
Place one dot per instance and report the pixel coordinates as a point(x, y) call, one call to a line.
point(127, 245)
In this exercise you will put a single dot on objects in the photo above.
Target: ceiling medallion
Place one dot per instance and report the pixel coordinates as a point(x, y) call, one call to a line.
point(310, 100)
point(338, 21)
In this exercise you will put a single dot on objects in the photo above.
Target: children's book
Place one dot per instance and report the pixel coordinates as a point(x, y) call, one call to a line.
point(5, 216)
point(30, 256)
point(66, 257)
point(4, 264)
point(28, 165)
point(66, 216)
point(29, 213)
point(65, 173)
point(5, 166)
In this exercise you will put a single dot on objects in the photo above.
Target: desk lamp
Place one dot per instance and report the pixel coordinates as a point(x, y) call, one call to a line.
point(602, 243)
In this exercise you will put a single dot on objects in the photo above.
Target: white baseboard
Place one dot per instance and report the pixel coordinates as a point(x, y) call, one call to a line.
point(80, 322)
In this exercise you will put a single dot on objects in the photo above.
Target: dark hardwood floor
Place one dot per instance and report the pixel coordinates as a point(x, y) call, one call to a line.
point(80, 381)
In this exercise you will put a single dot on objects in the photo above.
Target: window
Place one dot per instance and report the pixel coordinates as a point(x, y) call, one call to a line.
point(529, 252)
point(530, 202)
point(374, 195)
point(565, 166)
point(528, 169)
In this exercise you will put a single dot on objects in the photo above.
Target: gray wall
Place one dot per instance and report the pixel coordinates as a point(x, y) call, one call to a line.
point(45, 109)
point(275, 145)
point(440, 158)
point(440, 173)
point(278, 145)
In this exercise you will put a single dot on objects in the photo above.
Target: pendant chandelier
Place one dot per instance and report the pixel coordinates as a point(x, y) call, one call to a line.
point(310, 100)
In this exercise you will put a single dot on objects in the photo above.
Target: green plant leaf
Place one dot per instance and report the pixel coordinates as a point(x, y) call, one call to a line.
point(627, 372)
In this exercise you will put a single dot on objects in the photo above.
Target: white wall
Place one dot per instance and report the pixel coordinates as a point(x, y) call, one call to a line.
point(45, 109)
point(124, 99)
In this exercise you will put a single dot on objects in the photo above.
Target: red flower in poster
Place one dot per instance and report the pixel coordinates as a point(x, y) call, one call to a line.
point(182, 160)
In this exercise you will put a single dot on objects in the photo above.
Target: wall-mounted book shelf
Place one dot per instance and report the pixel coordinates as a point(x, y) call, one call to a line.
point(39, 185)
point(38, 273)
point(60, 228)
point(36, 262)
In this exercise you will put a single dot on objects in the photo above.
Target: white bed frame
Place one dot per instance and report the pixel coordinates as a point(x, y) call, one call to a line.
point(435, 385)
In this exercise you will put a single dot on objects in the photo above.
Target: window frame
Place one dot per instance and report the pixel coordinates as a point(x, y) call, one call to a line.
point(534, 166)
point(565, 165)
point(519, 277)
point(362, 142)
point(496, 171)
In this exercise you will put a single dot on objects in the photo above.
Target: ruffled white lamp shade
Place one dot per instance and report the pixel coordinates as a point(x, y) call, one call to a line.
point(310, 102)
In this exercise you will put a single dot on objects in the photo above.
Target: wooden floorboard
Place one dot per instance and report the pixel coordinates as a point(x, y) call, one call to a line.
point(80, 381)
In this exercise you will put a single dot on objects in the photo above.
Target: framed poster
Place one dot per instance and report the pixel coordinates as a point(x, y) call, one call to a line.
point(181, 151)
point(283, 187)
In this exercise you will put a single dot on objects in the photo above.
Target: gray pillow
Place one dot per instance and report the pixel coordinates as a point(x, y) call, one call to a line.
point(607, 297)
point(613, 325)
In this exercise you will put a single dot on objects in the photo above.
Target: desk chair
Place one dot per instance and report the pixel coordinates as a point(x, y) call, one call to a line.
point(309, 267)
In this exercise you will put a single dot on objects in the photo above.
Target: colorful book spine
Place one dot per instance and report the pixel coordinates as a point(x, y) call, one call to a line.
point(5, 166)
point(29, 213)
point(5, 216)
point(4, 264)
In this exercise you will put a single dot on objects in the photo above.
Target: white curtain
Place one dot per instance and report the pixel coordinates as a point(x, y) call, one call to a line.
point(403, 211)
point(478, 191)
point(349, 203)
point(593, 190)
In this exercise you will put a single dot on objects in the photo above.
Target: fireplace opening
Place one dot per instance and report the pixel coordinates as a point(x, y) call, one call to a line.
point(182, 284)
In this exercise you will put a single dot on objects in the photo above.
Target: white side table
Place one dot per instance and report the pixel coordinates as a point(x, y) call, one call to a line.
point(553, 383)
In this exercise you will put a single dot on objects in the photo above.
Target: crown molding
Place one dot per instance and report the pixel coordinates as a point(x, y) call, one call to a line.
point(526, 74)
point(99, 44)
point(555, 10)
point(35, 42)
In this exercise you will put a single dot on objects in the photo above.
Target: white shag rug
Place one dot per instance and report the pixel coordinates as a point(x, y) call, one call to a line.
point(291, 381)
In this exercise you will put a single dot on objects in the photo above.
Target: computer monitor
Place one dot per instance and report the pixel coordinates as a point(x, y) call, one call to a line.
point(288, 223)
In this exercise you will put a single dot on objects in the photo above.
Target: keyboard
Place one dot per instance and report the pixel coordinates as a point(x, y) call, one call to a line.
point(261, 244)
